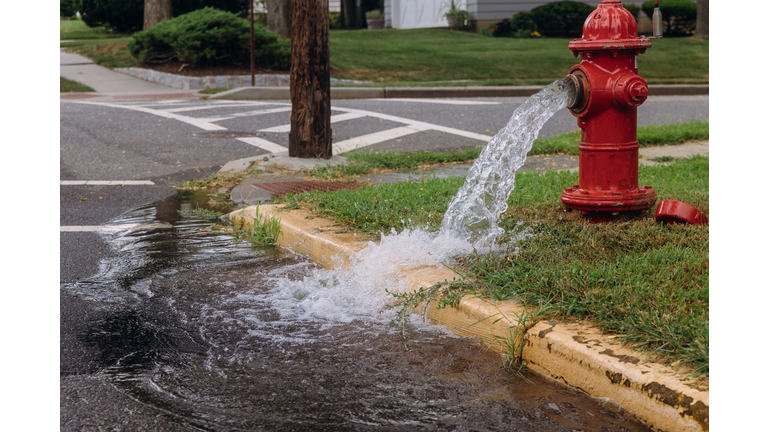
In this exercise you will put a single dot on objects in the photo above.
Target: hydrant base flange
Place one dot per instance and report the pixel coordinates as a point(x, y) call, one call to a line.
point(608, 201)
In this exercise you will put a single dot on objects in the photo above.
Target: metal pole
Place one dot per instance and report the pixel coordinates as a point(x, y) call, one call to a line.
point(253, 55)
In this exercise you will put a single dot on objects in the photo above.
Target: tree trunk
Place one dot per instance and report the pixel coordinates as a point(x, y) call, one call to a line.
point(348, 13)
point(310, 135)
point(702, 19)
point(279, 17)
point(156, 11)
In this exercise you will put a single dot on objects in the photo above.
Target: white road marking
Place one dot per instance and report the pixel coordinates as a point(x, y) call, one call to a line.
point(421, 125)
point(106, 182)
point(374, 138)
point(201, 123)
point(411, 126)
point(248, 114)
point(263, 144)
point(205, 107)
point(334, 119)
point(441, 101)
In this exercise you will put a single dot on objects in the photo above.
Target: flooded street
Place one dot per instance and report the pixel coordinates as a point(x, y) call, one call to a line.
point(197, 326)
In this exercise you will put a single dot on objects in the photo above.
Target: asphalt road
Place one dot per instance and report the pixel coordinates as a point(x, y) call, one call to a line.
point(159, 143)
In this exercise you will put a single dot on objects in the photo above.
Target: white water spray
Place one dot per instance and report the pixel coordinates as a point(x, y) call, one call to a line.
point(474, 211)
point(471, 223)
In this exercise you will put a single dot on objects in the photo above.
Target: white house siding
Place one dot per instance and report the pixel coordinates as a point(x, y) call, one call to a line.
point(411, 13)
point(334, 5)
point(408, 14)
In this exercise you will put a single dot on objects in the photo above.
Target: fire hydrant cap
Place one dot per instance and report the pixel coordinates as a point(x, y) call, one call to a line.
point(609, 27)
point(671, 211)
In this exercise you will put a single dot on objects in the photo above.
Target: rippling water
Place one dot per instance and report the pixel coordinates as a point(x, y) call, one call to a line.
point(223, 337)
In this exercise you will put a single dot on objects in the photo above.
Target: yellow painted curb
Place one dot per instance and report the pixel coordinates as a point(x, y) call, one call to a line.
point(572, 352)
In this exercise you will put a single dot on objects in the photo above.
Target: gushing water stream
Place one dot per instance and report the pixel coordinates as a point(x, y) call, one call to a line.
point(474, 211)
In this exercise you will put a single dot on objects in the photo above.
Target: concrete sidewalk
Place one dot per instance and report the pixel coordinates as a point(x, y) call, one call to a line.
point(107, 83)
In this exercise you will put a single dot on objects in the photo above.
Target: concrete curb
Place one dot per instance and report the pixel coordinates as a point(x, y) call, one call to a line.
point(572, 352)
point(284, 93)
point(184, 82)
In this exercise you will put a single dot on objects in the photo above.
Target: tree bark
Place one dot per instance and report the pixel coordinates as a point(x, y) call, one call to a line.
point(156, 11)
point(279, 17)
point(702, 19)
point(310, 135)
point(348, 13)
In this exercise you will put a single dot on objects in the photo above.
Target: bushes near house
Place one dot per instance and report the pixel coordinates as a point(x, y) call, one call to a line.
point(211, 37)
point(678, 16)
point(558, 19)
point(561, 19)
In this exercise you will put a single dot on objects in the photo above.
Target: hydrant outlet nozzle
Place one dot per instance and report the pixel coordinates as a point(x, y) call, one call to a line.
point(578, 104)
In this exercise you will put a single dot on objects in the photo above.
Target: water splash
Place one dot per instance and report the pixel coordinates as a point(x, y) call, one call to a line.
point(470, 224)
point(474, 211)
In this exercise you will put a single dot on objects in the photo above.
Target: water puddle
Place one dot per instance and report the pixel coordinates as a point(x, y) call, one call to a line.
point(220, 336)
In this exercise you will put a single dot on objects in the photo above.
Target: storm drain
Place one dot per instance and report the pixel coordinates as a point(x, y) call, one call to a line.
point(282, 188)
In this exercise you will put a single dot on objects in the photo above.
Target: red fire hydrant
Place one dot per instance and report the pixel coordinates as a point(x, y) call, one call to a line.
point(608, 94)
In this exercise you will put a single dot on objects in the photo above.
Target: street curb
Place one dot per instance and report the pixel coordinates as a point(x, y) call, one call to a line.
point(572, 352)
point(284, 92)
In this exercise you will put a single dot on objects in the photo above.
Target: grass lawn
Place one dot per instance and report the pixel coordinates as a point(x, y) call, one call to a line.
point(69, 86)
point(76, 29)
point(647, 282)
point(434, 56)
point(366, 161)
point(440, 57)
point(110, 53)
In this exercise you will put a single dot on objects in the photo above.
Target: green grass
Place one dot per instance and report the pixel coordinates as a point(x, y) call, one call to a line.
point(262, 231)
point(436, 56)
point(110, 53)
point(439, 57)
point(647, 136)
point(366, 161)
point(69, 86)
point(76, 29)
point(646, 282)
point(213, 90)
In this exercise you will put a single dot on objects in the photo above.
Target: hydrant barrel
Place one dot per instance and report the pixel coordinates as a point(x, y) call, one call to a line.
point(606, 110)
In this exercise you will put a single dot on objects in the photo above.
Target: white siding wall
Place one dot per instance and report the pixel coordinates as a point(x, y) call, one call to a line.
point(428, 13)
point(407, 14)
point(334, 5)
point(500, 9)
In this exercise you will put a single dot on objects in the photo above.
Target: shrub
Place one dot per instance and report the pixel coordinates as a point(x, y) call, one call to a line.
point(564, 18)
point(66, 8)
point(212, 37)
point(523, 21)
point(678, 16)
point(237, 7)
point(119, 15)
point(334, 20)
point(374, 14)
